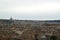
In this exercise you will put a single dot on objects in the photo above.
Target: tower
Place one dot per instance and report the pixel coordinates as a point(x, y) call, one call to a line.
point(11, 19)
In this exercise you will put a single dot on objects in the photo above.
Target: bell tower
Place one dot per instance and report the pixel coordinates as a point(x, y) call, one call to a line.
point(11, 19)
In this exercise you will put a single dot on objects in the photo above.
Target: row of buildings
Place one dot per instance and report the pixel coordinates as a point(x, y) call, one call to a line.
point(29, 29)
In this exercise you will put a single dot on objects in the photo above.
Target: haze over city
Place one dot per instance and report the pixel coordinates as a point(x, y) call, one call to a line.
point(30, 9)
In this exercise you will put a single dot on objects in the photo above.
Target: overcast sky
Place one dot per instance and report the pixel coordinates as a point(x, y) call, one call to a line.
point(30, 9)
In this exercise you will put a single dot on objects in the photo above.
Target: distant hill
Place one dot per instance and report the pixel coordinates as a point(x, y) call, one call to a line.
point(29, 21)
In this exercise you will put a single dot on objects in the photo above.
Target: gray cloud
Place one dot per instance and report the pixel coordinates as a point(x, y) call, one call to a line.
point(28, 9)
